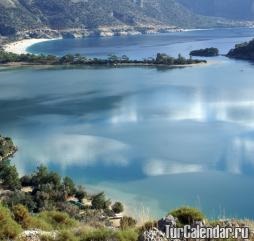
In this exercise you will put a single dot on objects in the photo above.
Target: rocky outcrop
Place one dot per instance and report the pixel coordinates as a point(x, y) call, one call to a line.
point(35, 235)
point(167, 221)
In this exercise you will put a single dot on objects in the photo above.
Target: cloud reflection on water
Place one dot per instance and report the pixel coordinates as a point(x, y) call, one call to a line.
point(74, 150)
point(165, 167)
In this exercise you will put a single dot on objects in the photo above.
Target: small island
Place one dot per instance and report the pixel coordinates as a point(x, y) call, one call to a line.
point(208, 52)
point(161, 59)
point(242, 51)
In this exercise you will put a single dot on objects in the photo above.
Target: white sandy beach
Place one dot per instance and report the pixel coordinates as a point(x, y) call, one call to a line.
point(20, 47)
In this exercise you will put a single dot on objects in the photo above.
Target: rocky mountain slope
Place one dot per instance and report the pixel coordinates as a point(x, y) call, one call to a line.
point(20, 15)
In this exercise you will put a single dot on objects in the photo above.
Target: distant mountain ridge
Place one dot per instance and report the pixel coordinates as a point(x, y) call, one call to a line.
point(20, 15)
point(230, 9)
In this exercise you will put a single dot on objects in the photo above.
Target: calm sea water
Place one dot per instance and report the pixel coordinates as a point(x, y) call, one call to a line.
point(153, 137)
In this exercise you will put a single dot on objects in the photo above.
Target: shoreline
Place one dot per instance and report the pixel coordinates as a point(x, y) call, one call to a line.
point(23, 64)
point(21, 46)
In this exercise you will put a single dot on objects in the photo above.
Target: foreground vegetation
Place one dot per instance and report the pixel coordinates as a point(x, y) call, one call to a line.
point(55, 225)
point(77, 59)
point(44, 206)
point(18, 224)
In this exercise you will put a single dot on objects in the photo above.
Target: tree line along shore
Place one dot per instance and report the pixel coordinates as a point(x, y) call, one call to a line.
point(112, 60)
point(241, 51)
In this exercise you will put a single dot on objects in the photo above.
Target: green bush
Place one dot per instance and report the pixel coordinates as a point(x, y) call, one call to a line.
point(47, 238)
point(80, 193)
point(57, 220)
point(187, 215)
point(21, 214)
point(69, 186)
point(102, 234)
point(26, 181)
point(19, 197)
point(22, 217)
point(9, 176)
point(71, 209)
point(148, 226)
point(66, 236)
point(127, 235)
point(9, 229)
point(97, 235)
point(117, 207)
point(37, 223)
point(127, 222)
point(99, 201)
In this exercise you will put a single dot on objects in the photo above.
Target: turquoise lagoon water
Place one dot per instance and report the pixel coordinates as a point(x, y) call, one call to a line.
point(155, 138)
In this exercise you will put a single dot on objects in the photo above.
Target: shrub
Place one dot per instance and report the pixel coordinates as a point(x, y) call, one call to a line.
point(69, 208)
point(99, 201)
point(117, 207)
point(44, 176)
point(38, 223)
point(22, 216)
point(9, 176)
point(66, 236)
point(18, 197)
point(98, 235)
point(26, 181)
point(102, 234)
point(127, 222)
point(148, 226)
point(9, 229)
point(47, 238)
point(69, 186)
point(127, 235)
point(80, 193)
point(187, 215)
point(58, 220)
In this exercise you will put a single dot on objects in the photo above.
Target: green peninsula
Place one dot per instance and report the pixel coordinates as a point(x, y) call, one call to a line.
point(77, 59)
